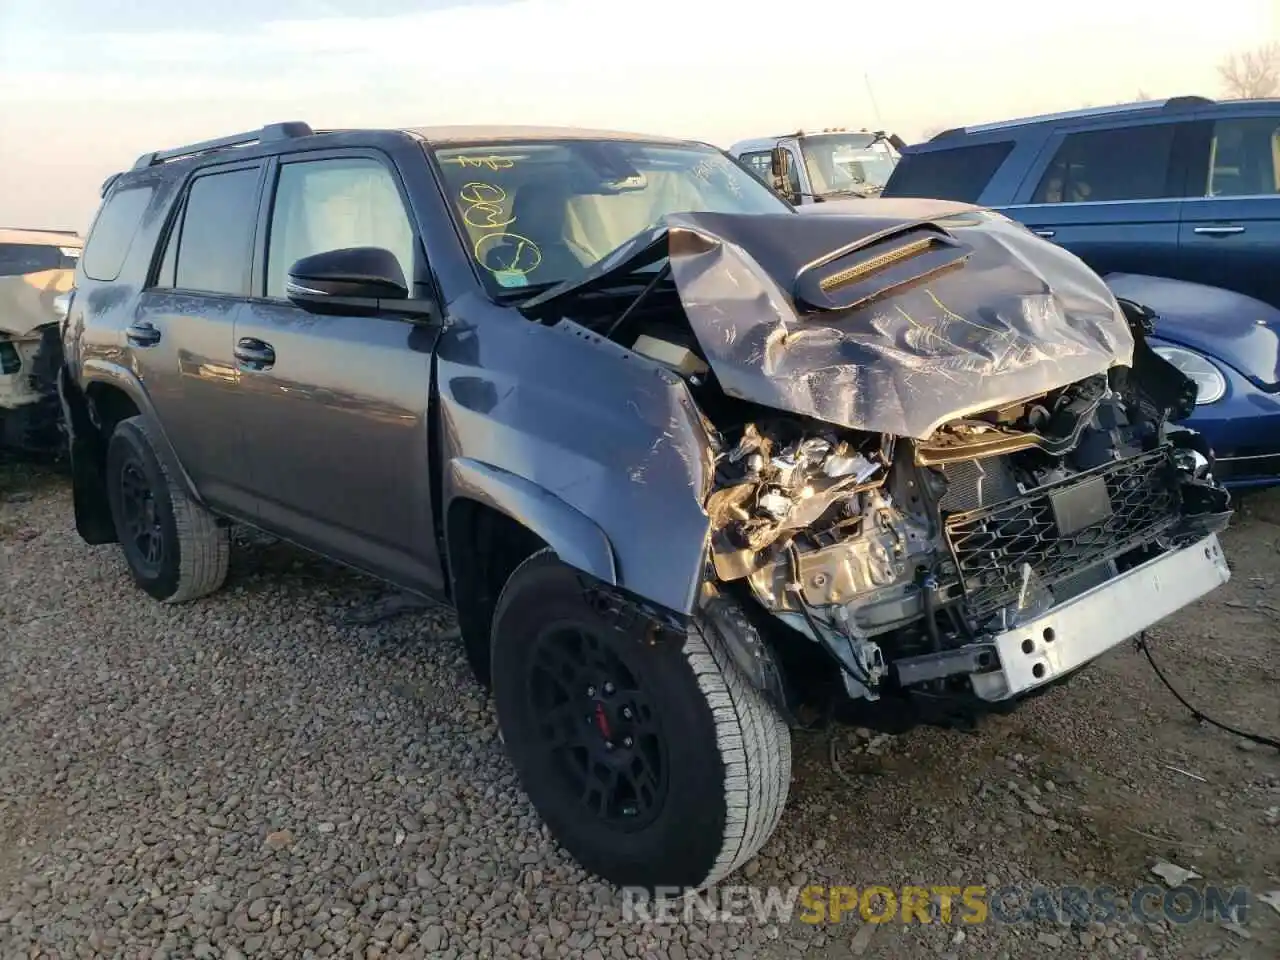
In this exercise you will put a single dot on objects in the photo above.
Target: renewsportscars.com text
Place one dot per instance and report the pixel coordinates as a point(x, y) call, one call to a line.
point(944, 904)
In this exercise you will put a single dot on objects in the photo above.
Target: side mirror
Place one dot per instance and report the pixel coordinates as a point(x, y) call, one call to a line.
point(780, 166)
point(341, 280)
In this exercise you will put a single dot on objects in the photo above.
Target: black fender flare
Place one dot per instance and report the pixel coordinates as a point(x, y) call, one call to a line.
point(575, 538)
point(87, 445)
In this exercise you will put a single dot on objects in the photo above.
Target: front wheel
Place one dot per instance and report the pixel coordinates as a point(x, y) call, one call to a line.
point(652, 760)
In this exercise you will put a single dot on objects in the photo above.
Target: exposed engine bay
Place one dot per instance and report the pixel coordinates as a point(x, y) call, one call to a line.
point(850, 514)
point(884, 549)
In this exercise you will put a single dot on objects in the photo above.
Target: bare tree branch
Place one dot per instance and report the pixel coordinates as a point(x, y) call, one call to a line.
point(1252, 74)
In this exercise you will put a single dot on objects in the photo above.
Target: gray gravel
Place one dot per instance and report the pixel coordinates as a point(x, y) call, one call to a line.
point(255, 775)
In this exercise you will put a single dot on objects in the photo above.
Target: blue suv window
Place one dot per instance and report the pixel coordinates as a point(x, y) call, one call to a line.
point(960, 174)
point(1244, 158)
point(1126, 163)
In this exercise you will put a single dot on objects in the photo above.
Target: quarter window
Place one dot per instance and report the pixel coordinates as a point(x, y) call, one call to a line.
point(1127, 163)
point(1244, 158)
point(112, 232)
point(323, 205)
point(958, 173)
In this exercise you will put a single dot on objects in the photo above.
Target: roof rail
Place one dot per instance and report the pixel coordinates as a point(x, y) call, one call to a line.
point(272, 131)
point(1191, 100)
point(1173, 103)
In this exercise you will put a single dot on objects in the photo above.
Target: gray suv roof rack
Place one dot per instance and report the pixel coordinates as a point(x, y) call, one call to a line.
point(272, 131)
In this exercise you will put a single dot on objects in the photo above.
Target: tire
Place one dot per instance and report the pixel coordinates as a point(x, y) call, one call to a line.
point(183, 553)
point(714, 756)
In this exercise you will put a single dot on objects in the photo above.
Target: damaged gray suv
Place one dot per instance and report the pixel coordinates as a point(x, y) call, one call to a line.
point(693, 467)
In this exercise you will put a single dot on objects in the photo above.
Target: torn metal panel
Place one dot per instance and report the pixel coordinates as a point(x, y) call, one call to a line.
point(893, 323)
point(612, 436)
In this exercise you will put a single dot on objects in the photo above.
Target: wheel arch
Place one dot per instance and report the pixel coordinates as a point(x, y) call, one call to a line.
point(92, 404)
point(494, 520)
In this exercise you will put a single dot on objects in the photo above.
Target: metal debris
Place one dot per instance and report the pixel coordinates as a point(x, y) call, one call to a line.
point(1174, 875)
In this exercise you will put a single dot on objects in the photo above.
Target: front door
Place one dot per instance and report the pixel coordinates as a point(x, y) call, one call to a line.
point(336, 407)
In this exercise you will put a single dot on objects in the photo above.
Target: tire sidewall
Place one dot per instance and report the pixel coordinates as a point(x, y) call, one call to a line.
point(680, 847)
point(130, 443)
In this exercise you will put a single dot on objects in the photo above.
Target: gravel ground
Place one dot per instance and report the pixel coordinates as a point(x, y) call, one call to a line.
point(252, 775)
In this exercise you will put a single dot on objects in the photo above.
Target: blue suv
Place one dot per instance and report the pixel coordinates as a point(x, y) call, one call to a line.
point(1177, 204)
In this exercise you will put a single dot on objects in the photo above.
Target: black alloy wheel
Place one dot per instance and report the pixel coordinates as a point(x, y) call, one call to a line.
point(599, 728)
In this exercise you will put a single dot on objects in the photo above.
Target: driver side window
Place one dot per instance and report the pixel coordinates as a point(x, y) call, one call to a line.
point(323, 205)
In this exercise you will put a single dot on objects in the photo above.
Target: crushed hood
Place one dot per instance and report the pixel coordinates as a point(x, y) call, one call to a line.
point(880, 315)
point(26, 300)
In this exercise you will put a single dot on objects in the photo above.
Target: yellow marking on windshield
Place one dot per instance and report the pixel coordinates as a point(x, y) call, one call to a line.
point(484, 206)
point(483, 209)
point(523, 258)
point(493, 161)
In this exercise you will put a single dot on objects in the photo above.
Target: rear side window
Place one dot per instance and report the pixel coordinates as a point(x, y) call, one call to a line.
point(113, 231)
point(1128, 163)
point(215, 236)
point(959, 174)
point(17, 259)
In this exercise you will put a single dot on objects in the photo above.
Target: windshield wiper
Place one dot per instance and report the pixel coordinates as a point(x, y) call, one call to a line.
point(527, 292)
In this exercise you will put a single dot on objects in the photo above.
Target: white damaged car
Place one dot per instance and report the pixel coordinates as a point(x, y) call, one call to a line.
point(37, 270)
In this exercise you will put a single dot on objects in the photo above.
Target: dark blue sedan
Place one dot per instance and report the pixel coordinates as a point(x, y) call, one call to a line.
point(1229, 344)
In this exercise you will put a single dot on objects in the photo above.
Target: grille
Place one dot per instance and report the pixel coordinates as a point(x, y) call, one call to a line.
point(991, 545)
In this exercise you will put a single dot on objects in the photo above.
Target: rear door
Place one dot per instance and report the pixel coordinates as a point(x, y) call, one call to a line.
point(180, 337)
point(1112, 196)
point(1230, 231)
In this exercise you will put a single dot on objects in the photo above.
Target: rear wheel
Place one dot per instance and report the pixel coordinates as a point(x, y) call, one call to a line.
point(175, 548)
point(651, 759)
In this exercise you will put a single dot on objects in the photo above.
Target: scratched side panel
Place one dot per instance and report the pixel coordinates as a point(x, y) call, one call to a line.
point(609, 433)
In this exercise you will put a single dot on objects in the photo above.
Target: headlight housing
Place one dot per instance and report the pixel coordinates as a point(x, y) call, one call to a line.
point(1211, 385)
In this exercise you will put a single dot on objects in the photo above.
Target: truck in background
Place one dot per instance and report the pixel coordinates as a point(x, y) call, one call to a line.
point(828, 164)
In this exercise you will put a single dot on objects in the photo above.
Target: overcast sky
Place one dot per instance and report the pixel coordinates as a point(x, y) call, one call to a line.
point(87, 85)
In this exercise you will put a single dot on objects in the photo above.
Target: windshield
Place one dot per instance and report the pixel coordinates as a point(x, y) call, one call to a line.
point(847, 163)
point(541, 212)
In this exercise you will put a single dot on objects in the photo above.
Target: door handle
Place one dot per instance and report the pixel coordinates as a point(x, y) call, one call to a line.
point(1219, 231)
point(142, 334)
point(1047, 234)
point(253, 354)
